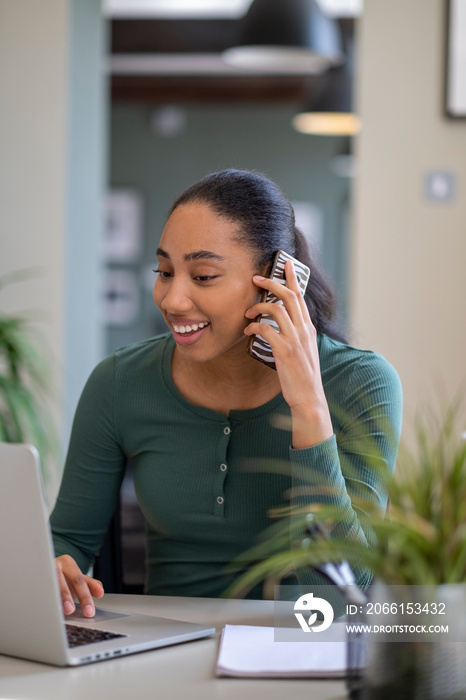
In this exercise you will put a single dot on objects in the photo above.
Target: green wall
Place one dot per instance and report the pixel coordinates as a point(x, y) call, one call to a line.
point(219, 136)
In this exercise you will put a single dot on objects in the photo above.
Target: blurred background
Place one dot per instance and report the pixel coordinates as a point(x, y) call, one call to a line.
point(108, 111)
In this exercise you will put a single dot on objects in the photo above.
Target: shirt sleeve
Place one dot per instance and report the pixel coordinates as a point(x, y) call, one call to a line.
point(93, 472)
point(349, 470)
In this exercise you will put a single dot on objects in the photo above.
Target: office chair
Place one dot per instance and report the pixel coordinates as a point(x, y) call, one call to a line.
point(120, 564)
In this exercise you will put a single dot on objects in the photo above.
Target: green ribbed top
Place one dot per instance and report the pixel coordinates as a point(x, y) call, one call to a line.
point(201, 477)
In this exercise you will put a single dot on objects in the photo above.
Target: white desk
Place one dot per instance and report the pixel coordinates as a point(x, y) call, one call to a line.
point(181, 672)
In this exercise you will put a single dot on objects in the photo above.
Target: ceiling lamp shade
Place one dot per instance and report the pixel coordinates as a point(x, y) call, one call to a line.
point(331, 112)
point(287, 35)
point(327, 123)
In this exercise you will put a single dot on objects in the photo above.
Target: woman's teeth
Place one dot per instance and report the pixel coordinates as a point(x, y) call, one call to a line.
point(188, 329)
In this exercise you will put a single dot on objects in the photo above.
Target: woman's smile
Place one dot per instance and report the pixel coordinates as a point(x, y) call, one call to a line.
point(189, 334)
point(188, 328)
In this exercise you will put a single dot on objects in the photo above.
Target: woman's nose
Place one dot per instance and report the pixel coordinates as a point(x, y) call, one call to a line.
point(176, 298)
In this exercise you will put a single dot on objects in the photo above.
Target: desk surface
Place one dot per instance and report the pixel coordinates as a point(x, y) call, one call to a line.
point(176, 672)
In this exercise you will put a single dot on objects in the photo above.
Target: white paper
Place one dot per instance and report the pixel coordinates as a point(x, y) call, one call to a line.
point(251, 651)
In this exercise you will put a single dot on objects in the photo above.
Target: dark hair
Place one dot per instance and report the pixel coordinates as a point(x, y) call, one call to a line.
point(266, 223)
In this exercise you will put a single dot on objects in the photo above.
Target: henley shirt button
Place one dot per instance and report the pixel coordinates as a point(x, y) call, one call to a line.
point(219, 500)
point(223, 467)
point(227, 431)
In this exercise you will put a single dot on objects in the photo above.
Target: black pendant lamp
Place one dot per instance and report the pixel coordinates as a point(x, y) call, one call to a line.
point(287, 36)
point(330, 112)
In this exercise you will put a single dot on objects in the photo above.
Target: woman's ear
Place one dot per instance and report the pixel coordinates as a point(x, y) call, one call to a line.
point(265, 270)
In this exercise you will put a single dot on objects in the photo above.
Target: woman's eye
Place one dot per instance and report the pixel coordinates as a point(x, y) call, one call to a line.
point(163, 274)
point(198, 278)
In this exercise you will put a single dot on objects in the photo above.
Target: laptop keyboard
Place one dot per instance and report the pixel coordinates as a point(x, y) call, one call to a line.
point(78, 636)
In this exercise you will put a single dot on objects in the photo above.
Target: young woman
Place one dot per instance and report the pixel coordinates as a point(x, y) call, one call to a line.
point(201, 418)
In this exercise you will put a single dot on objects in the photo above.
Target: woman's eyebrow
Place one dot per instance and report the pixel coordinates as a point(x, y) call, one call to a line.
point(195, 255)
point(204, 255)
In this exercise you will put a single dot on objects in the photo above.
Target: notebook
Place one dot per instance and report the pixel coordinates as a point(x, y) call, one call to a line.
point(248, 651)
point(32, 623)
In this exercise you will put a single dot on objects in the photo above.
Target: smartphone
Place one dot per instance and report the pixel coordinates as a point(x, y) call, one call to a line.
point(257, 346)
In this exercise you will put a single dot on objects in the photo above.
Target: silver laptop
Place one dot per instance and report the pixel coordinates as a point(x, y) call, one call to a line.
point(32, 624)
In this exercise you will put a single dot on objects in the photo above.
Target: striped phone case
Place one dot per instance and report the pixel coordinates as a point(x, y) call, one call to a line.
point(257, 346)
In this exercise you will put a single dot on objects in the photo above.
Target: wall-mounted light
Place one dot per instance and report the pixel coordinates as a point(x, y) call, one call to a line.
point(168, 120)
point(282, 35)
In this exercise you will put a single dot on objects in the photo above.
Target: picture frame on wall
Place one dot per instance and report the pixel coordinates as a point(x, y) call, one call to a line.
point(123, 230)
point(120, 297)
point(455, 83)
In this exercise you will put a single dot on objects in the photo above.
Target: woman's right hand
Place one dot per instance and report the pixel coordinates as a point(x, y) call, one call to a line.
point(74, 584)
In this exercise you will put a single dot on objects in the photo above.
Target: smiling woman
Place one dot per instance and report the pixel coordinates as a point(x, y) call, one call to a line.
point(204, 279)
point(199, 417)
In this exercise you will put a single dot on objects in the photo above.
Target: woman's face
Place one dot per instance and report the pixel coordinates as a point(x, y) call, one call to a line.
point(204, 284)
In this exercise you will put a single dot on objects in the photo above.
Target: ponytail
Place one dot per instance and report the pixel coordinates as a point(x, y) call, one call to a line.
point(319, 297)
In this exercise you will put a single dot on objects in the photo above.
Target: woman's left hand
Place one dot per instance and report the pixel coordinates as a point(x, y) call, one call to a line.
point(296, 358)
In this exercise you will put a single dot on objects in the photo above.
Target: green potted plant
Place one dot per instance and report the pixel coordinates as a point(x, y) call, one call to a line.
point(24, 382)
point(420, 542)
